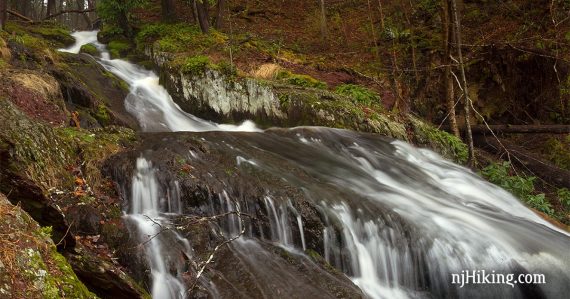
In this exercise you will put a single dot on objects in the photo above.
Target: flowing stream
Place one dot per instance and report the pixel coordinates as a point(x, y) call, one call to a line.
point(397, 220)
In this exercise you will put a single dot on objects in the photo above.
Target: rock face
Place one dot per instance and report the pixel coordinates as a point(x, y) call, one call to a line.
point(202, 170)
point(225, 98)
point(30, 266)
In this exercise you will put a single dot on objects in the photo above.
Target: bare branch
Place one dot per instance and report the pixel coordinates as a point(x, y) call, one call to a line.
point(69, 11)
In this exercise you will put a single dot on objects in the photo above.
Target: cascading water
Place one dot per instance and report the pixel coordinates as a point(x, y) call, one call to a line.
point(145, 212)
point(397, 220)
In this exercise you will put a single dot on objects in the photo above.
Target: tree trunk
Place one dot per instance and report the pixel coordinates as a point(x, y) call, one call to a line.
point(50, 7)
point(168, 11)
point(3, 13)
point(448, 81)
point(220, 14)
point(324, 28)
point(467, 100)
point(202, 12)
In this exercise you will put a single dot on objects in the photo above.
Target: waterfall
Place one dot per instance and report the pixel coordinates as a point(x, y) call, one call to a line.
point(146, 212)
point(397, 220)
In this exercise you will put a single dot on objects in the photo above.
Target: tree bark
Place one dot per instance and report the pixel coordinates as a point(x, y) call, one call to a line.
point(50, 8)
point(202, 12)
point(3, 13)
point(220, 14)
point(447, 80)
point(467, 100)
point(168, 11)
point(324, 28)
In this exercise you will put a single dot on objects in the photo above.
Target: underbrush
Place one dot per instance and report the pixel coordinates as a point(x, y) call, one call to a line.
point(359, 94)
point(521, 186)
point(176, 38)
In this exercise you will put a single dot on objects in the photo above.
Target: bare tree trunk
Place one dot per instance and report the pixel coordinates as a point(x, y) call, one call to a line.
point(448, 81)
point(168, 11)
point(381, 10)
point(202, 12)
point(324, 27)
point(374, 38)
point(50, 7)
point(467, 105)
point(3, 13)
point(220, 14)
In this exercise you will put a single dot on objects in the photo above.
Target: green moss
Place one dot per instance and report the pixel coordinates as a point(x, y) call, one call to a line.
point(55, 33)
point(195, 65)
point(32, 34)
point(358, 94)
point(89, 49)
point(442, 142)
point(3, 64)
point(300, 80)
point(102, 115)
point(72, 135)
point(118, 48)
point(175, 38)
point(34, 148)
point(71, 285)
point(313, 254)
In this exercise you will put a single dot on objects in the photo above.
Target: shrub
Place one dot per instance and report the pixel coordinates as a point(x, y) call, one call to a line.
point(359, 94)
point(176, 38)
point(564, 197)
point(520, 186)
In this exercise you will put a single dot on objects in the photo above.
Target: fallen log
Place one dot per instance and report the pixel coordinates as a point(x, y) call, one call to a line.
point(529, 161)
point(553, 129)
point(69, 11)
point(20, 16)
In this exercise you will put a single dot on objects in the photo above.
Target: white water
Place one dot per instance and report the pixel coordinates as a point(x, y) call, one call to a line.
point(461, 221)
point(149, 101)
point(146, 212)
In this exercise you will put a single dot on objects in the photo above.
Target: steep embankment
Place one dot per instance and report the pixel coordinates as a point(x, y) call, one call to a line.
point(52, 171)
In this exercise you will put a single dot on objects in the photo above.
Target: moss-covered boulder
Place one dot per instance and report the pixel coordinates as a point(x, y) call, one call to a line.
point(90, 49)
point(30, 266)
point(95, 93)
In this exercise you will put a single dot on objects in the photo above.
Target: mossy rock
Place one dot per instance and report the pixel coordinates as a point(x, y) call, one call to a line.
point(44, 34)
point(30, 266)
point(119, 48)
point(440, 141)
point(90, 49)
point(300, 80)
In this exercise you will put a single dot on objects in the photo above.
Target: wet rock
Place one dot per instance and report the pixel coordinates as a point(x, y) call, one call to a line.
point(201, 169)
point(224, 98)
point(86, 86)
